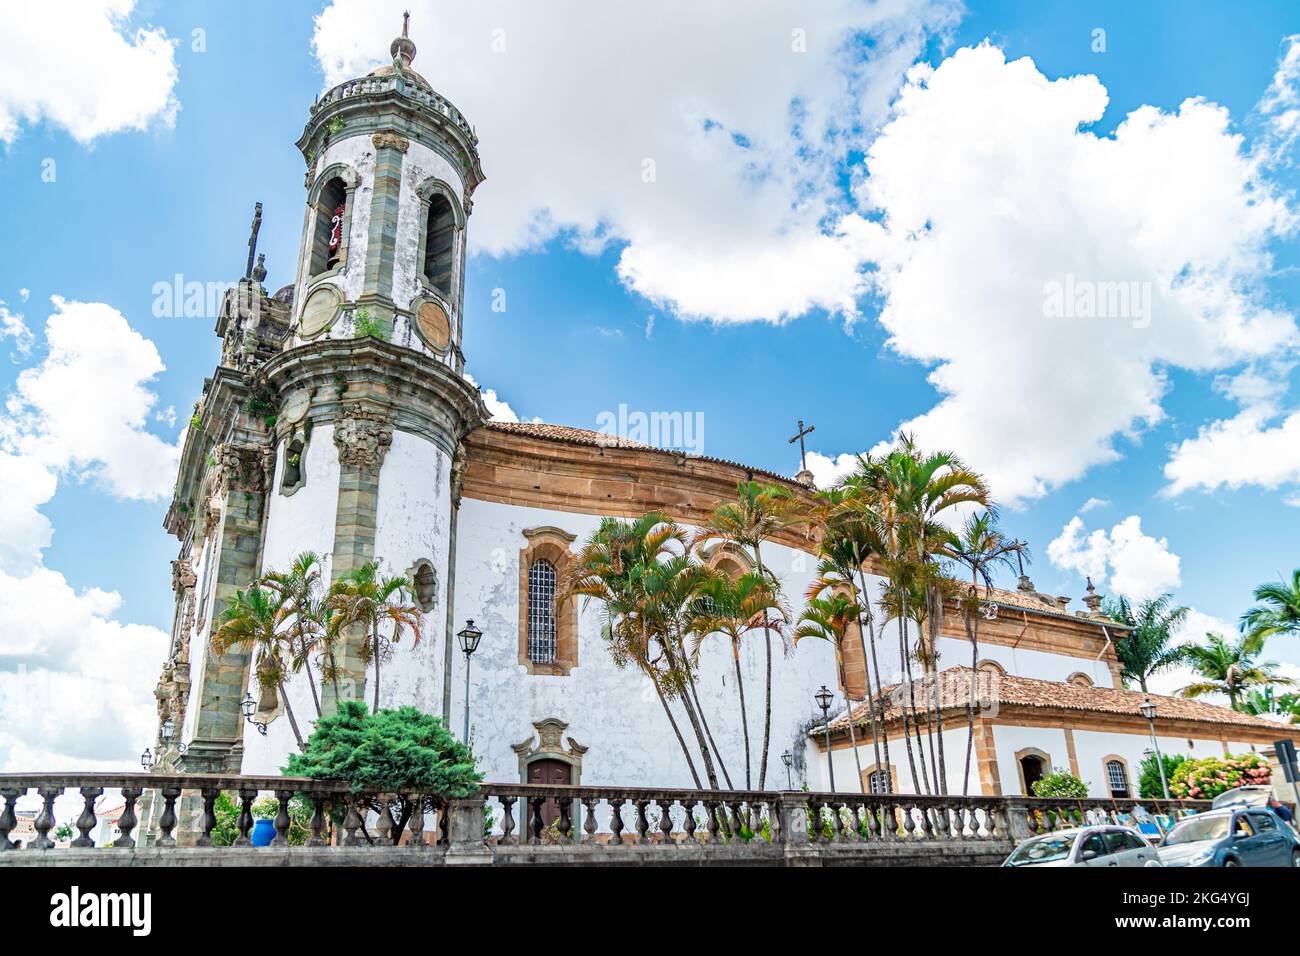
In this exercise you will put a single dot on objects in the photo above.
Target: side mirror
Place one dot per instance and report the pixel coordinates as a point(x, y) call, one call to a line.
point(1088, 855)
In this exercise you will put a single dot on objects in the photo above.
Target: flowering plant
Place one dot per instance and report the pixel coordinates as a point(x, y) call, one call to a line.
point(1208, 777)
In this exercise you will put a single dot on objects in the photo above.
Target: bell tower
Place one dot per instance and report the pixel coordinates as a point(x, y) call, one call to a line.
point(391, 169)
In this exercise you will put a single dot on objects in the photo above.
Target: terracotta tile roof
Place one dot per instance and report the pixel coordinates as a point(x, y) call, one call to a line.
point(1040, 603)
point(586, 436)
point(1013, 690)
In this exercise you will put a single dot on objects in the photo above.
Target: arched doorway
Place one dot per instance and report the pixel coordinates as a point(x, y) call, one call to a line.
point(550, 773)
point(1032, 769)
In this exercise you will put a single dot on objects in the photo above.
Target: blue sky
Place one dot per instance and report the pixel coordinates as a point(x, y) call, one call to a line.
point(602, 289)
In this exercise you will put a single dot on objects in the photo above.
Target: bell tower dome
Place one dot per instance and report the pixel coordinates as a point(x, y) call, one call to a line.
point(391, 168)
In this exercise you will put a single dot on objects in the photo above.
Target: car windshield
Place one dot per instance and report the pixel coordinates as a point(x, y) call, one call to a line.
point(1197, 829)
point(1046, 849)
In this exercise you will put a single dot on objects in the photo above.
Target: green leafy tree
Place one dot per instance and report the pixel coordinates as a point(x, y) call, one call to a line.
point(1277, 610)
point(1060, 783)
point(1229, 667)
point(379, 606)
point(1146, 649)
point(400, 751)
point(1149, 786)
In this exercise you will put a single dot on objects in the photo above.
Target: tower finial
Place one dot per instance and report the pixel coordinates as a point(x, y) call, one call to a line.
point(403, 49)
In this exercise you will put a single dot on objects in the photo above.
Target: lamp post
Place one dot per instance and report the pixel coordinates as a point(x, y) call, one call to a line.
point(787, 758)
point(1148, 709)
point(146, 760)
point(248, 707)
point(824, 698)
point(469, 638)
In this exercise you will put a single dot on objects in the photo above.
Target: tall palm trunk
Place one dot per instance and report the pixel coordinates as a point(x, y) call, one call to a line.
point(848, 712)
point(293, 721)
point(767, 692)
point(686, 751)
point(905, 709)
point(375, 651)
point(863, 618)
point(311, 681)
point(694, 718)
point(877, 701)
point(744, 720)
point(933, 621)
point(972, 632)
point(695, 694)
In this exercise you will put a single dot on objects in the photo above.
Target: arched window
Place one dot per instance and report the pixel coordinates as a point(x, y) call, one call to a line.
point(1117, 777)
point(439, 244)
point(295, 473)
point(541, 612)
point(992, 667)
point(878, 782)
point(1079, 679)
point(329, 239)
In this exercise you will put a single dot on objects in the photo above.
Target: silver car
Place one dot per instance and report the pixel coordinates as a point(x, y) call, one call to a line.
point(1105, 845)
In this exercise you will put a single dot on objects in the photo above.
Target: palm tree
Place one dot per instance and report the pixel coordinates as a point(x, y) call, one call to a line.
point(736, 609)
point(980, 546)
point(758, 512)
point(828, 619)
point(256, 618)
point(608, 570)
point(365, 598)
point(300, 589)
point(1277, 610)
point(1229, 667)
point(1146, 649)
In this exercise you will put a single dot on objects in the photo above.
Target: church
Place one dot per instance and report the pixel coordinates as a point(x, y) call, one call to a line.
point(339, 420)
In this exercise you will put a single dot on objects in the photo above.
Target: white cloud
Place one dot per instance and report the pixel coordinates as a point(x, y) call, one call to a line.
point(80, 65)
point(84, 408)
point(1259, 446)
point(1280, 105)
point(499, 409)
point(827, 471)
point(991, 186)
point(75, 683)
point(13, 326)
point(1135, 564)
point(747, 135)
point(1093, 503)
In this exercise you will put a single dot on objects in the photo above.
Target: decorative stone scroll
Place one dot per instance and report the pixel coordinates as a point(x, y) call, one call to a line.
point(363, 437)
point(549, 745)
point(241, 467)
point(391, 141)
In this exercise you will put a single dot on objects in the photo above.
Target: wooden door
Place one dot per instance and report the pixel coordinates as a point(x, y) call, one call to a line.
point(550, 773)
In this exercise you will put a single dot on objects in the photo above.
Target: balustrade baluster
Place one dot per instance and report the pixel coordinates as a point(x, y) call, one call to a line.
point(415, 825)
point(642, 822)
point(616, 821)
point(383, 821)
point(666, 820)
point(688, 821)
point(127, 821)
point(873, 822)
point(444, 823)
point(565, 824)
point(535, 823)
point(317, 837)
point(282, 819)
point(86, 822)
point(44, 821)
point(209, 821)
point(8, 820)
point(244, 823)
point(507, 821)
point(589, 824)
point(167, 822)
point(351, 821)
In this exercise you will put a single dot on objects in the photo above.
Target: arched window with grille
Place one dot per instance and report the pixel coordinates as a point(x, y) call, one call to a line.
point(1117, 777)
point(878, 782)
point(541, 612)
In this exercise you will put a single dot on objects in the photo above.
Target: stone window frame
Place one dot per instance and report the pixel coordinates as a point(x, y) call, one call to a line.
point(870, 771)
point(1042, 755)
point(545, 743)
point(989, 664)
point(1106, 761)
point(1080, 679)
point(430, 187)
point(351, 180)
point(303, 437)
point(552, 544)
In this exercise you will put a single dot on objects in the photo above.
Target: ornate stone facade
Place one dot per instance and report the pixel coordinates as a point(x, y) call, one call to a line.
point(363, 437)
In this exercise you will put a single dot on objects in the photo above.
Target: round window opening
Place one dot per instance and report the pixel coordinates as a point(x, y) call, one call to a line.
point(435, 327)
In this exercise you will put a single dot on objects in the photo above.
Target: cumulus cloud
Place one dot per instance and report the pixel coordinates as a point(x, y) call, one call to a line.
point(829, 471)
point(724, 193)
point(75, 681)
point(1259, 446)
point(996, 199)
point(1134, 564)
point(81, 65)
point(1280, 106)
point(13, 326)
point(499, 409)
point(85, 407)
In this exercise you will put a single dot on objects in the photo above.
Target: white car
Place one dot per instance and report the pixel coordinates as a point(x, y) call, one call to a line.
point(1105, 845)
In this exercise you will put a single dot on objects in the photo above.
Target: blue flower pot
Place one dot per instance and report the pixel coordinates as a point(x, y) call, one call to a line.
point(263, 832)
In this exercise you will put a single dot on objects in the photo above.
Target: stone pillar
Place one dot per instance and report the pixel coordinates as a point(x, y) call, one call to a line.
point(381, 242)
point(465, 843)
point(362, 436)
point(793, 810)
point(1016, 814)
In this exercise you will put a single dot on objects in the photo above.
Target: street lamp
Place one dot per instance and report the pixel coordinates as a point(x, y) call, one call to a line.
point(1148, 709)
point(248, 707)
point(787, 758)
point(469, 638)
point(168, 728)
point(146, 759)
point(824, 698)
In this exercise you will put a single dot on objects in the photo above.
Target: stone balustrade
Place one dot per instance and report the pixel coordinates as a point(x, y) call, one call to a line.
point(428, 100)
point(520, 823)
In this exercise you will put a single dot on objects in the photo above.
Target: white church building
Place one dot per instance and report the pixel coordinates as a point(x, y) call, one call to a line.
point(339, 420)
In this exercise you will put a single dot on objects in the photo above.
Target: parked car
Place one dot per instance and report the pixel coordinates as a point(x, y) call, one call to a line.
point(1232, 836)
point(1253, 795)
point(1086, 846)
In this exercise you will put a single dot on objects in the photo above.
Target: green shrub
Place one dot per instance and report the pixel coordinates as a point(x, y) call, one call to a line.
point(1060, 783)
point(1149, 775)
